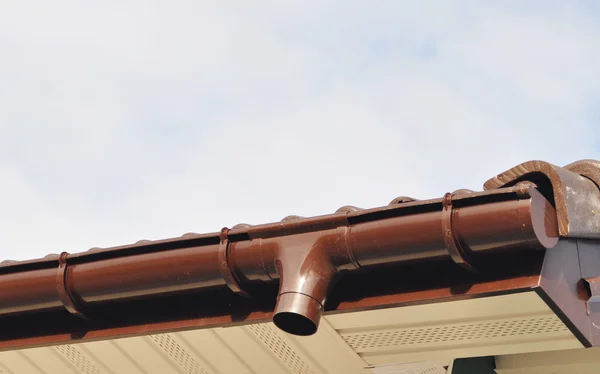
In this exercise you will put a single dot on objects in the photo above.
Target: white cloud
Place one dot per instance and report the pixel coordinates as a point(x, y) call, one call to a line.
point(129, 120)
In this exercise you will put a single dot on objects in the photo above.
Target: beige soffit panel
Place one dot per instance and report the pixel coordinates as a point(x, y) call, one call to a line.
point(577, 361)
point(356, 342)
point(252, 349)
point(497, 325)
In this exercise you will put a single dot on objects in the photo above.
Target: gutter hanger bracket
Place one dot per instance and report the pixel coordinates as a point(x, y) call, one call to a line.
point(226, 270)
point(71, 304)
point(452, 245)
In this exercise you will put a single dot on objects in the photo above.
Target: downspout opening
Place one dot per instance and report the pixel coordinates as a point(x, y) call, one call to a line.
point(297, 314)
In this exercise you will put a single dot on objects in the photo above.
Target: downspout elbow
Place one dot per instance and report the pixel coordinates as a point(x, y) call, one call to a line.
point(306, 275)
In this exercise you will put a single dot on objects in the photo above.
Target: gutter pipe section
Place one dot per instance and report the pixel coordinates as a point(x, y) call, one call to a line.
point(305, 255)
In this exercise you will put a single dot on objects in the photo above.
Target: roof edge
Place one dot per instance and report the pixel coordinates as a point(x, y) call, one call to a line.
point(573, 190)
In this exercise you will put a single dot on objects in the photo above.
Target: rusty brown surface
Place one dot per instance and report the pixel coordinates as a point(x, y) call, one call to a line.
point(575, 197)
point(296, 269)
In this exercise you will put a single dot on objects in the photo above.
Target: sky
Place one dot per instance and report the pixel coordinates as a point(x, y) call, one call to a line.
point(129, 120)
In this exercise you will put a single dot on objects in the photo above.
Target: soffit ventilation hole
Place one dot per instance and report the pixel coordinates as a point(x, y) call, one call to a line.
point(178, 354)
point(283, 351)
point(443, 334)
point(78, 359)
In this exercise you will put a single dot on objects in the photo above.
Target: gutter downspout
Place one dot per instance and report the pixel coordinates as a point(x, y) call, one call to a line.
point(306, 273)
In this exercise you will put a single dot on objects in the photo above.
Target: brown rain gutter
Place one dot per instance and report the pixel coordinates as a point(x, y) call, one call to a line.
point(305, 255)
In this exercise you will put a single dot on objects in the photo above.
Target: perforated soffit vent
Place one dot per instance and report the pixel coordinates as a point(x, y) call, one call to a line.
point(178, 354)
point(270, 337)
point(451, 333)
point(507, 324)
point(79, 360)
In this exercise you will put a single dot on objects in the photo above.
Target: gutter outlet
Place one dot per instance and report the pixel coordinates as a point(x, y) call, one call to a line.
point(306, 275)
